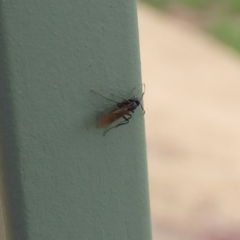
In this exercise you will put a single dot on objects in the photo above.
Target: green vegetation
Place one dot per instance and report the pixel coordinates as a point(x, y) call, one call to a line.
point(158, 3)
point(227, 31)
point(197, 4)
point(220, 18)
point(234, 6)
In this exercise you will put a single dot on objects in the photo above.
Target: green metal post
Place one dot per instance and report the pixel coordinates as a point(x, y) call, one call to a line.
point(62, 179)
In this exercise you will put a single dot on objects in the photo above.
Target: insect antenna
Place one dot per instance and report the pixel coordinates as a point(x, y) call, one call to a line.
point(144, 88)
point(142, 109)
point(132, 92)
point(102, 96)
point(124, 98)
point(120, 97)
point(133, 89)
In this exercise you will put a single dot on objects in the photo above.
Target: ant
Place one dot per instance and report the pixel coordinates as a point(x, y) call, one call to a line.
point(124, 109)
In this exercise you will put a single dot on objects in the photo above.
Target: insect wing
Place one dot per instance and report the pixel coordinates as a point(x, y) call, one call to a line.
point(111, 117)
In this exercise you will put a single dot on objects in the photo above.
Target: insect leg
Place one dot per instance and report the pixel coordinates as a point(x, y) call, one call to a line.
point(126, 119)
point(120, 124)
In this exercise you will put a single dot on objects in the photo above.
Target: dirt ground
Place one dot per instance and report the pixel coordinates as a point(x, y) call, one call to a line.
point(192, 116)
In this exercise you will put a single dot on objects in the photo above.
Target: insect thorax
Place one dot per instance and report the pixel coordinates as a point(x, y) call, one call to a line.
point(134, 104)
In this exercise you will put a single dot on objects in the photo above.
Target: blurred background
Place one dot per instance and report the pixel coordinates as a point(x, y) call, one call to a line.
point(191, 68)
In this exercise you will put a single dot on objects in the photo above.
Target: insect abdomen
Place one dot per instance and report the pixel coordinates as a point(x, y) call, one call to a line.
point(111, 117)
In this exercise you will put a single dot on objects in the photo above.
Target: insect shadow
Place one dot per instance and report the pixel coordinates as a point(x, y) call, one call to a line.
point(124, 110)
